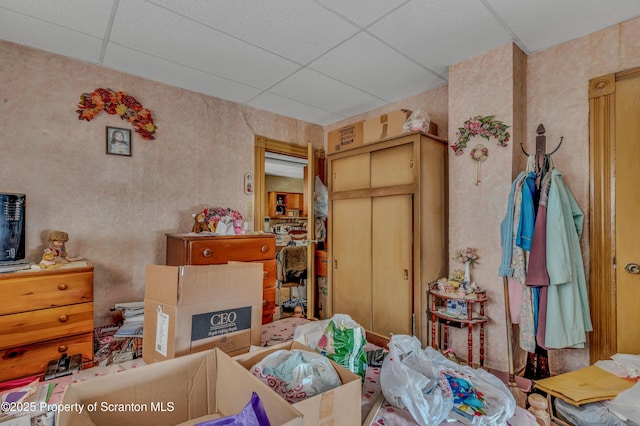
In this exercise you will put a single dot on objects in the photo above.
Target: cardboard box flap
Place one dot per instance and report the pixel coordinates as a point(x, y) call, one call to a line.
point(193, 281)
point(173, 392)
point(179, 391)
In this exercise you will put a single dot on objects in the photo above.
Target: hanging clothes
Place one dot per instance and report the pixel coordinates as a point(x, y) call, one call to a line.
point(568, 317)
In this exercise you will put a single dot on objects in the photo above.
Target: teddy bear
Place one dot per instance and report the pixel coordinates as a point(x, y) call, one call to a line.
point(199, 224)
point(49, 260)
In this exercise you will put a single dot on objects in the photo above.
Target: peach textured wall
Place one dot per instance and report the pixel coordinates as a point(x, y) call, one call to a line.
point(117, 209)
point(557, 96)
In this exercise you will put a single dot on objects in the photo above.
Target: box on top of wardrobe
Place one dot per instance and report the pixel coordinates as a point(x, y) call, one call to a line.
point(389, 125)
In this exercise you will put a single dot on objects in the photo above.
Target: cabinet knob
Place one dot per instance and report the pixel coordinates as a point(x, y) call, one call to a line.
point(207, 252)
point(63, 318)
point(264, 249)
point(62, 348)
point(62, 286)
point(265, 274)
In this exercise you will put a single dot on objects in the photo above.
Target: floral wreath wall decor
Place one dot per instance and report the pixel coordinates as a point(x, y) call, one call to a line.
point(119, 103)
point(485, 127)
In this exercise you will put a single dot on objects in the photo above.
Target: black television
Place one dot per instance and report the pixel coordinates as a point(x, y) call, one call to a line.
point(12, 227)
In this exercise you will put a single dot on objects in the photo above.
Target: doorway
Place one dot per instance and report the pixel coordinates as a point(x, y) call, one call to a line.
point(614, 106)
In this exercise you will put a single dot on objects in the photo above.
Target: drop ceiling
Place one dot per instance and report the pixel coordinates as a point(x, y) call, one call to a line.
point(319, 61)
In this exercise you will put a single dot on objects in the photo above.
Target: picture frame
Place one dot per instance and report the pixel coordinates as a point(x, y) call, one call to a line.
point(119, 141)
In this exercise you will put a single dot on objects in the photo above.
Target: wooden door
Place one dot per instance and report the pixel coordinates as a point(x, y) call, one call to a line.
point(627, 200)
point(392, 166)
point(392, 269)
point(351, 259)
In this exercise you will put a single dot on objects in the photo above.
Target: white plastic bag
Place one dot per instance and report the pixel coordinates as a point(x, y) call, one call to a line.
point(626, 406)
point(420, 381)
point(320, 199)
point(297, 374)
point(417, 121)
point(409, 381)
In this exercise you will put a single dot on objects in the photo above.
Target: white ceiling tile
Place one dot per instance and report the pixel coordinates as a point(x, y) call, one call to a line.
point(386, 74)
point(30, 32)
point(300, 30)
point(290, 108)
point(89, 17)
point(181, 40)
point(441, 33)
point(545, 23)
point(133, 62)
point(312, 88)
point(362, 12)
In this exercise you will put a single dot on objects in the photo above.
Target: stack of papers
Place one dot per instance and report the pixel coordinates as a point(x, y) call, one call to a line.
point(586, 385)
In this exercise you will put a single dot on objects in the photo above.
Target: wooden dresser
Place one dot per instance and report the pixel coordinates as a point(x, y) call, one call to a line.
point(192, 249)
point(43, 315)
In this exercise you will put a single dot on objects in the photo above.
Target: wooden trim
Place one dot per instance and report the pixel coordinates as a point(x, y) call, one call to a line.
point(602, 285)
point(263, 144)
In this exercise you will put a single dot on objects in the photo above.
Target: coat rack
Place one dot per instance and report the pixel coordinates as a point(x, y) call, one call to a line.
point(541, 142)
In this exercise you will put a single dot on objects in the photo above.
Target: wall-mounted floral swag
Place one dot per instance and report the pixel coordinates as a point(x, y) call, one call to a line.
point(117, 103)
point(486, 127)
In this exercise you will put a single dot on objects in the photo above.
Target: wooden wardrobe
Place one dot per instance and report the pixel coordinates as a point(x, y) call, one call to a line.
point(387, 230)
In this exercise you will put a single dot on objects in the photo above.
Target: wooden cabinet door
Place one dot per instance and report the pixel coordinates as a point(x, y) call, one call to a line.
point(351, 259)
point(350, 173)
point(392, 166)
point(392, 271)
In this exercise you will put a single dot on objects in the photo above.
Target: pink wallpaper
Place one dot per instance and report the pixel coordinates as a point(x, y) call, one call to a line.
point(117, 209)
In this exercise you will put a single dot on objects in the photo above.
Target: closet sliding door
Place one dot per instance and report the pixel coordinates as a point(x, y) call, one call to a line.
point(392, 274)
point(351, 244)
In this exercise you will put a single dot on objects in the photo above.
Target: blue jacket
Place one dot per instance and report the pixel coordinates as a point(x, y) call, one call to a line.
point(506, 232)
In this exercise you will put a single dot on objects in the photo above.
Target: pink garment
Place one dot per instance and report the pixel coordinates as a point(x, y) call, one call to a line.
point(537, 274)
point(516, 291)
point(542, 317)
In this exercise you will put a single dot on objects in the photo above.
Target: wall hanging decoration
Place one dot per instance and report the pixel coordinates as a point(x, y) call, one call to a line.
point(485, 127)
point(479, 154)
point(118, 103)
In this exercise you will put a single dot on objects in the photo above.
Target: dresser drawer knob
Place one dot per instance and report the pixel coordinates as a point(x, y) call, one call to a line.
point(62, 348)
point(265, 274)
point(63, 318)
point(62, 286)
point(264, 249)
point(207, 252)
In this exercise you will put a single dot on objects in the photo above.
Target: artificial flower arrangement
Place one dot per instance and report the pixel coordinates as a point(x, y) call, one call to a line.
point(222, 221)
point(466, 255)
point(485, 127)
point(118, 103)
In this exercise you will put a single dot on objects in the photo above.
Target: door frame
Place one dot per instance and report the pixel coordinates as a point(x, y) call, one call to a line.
point(602, 273)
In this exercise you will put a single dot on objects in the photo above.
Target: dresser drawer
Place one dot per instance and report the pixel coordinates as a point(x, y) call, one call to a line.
point(268, 303)
point(269, 267)
point(194, 250)
point(40, 290)
point(45, 324)
point(26, 360)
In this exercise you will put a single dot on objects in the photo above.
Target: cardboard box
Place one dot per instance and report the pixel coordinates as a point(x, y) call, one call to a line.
point(389, 125)
point(339, 406)
point(344, 138)
point(186, 390)
point(190, 309)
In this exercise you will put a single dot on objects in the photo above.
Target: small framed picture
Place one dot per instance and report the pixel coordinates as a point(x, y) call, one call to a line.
point(118, 141)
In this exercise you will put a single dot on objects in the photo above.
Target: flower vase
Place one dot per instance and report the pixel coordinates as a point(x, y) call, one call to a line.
point(467, 271)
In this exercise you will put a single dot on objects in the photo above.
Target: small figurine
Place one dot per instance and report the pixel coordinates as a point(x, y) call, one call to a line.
point(57, 251)
point(49, 260)
point(199, 224)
